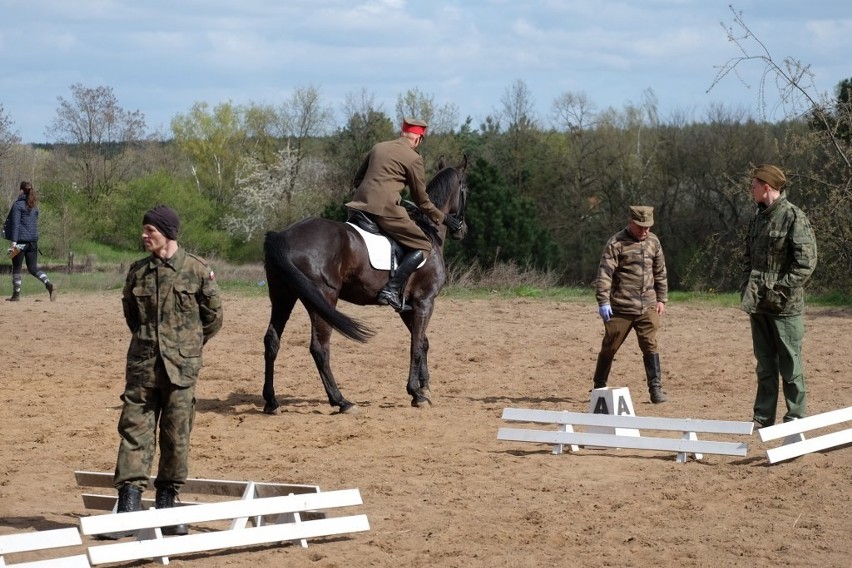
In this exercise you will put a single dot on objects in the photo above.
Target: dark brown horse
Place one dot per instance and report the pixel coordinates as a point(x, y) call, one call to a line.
point(319, 262)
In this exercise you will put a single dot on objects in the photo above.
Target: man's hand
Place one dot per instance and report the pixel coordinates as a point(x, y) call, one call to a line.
point(605, 312)
point(453, 222)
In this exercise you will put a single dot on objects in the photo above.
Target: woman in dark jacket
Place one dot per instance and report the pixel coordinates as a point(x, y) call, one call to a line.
point(23, 231)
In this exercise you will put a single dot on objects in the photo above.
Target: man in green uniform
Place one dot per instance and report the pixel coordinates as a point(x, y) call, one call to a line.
point(388, 168)
point(632, 291)
point(172, 306)
point(780, 256)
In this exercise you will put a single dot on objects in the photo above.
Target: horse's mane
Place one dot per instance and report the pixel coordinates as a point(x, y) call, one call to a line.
point(439, 189)
point(440, 186)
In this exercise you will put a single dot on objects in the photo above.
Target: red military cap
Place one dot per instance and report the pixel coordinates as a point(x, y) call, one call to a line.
point(414, 126)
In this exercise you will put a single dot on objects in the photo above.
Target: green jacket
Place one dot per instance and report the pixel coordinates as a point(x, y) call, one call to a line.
point(781, 254)
point(632, 274)
point(172, 308)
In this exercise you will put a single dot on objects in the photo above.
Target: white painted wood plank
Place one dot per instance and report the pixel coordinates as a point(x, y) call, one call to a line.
point(78, 561)
point(789, 451)
point(200, 542)
point(100, 524)
point(39, 540)
point(805, 424)
point(201, 486)
point(627, 421)
point(614, 441)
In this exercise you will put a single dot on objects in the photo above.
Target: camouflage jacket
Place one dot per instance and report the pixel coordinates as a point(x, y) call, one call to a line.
point(632, 274)
point(781, 254)
point(172, 308)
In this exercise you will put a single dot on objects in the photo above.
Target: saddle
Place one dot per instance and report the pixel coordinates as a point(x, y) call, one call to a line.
point(365, 222)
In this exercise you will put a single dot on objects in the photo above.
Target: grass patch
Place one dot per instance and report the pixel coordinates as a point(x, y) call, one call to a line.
point(502, 281)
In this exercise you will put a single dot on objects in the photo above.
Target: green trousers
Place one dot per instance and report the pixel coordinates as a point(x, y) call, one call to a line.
point(173, 409)
point(778, 349)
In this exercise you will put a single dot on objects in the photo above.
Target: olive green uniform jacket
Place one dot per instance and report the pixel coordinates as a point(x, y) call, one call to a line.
point(388, 168)
point(780, 256)
point(632, 275)
point(172, 308)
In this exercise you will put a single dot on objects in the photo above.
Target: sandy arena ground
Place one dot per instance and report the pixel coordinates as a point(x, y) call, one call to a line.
point(439, 489)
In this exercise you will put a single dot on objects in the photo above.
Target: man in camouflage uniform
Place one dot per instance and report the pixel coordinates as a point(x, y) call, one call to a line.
point(780, 256)
point(632, 291)
point(172, 307)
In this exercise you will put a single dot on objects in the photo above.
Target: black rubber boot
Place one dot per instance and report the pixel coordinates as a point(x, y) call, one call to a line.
point(165, 499)
point(16, 296)
point(129, 501)
point(655, 382)
point(602, 371)
point(392, 293)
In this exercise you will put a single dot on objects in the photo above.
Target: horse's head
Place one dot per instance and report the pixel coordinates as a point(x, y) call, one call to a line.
point(448, 191)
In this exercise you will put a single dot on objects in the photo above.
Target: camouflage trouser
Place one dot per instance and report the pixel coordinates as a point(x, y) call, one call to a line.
point(174, 408)
point(777, 344)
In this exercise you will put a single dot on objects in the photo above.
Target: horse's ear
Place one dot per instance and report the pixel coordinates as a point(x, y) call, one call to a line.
point(441, 163)
point(463, 166)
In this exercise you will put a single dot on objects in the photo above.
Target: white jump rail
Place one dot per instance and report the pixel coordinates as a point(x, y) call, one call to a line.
point(565, 435)
point(217, 488)
point(795, 444)
point(153, 545)
point(43, 540)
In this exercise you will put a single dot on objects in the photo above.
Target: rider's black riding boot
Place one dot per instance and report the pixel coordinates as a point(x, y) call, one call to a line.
point(392, 293)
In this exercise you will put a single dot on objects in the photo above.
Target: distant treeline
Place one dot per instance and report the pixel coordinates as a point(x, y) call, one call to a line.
point(544, 198)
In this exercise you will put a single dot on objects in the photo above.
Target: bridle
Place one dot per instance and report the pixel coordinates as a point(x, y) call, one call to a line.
point(460, 212)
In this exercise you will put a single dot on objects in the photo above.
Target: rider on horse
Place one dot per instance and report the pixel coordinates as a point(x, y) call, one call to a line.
point(388, 168)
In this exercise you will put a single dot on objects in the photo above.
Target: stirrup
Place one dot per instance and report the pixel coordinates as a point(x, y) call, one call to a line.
point(390, 298)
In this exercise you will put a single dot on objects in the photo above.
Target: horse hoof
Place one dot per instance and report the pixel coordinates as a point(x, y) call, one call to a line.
point(421, 402)
point(350, 409)
point(272, 410)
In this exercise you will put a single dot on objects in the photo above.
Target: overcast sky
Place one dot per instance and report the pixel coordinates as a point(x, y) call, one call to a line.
point(160, 57)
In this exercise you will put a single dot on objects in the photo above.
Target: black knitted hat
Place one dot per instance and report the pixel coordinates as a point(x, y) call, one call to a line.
point(165, 219)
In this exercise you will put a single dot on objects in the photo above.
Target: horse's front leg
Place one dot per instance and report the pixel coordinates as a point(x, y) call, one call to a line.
point(320, 351)
point(418, 369)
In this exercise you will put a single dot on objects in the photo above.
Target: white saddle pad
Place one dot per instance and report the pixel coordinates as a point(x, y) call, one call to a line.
point(378, 248)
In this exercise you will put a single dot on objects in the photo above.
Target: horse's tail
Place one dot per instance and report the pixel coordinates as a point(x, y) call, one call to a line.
point(276, 254)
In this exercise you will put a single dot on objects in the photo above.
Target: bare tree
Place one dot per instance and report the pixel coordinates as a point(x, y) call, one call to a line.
point(98, 137)
point(572, 112)
point(793, 80)
point(819, 157)
point(518, 111)
point(414, 103)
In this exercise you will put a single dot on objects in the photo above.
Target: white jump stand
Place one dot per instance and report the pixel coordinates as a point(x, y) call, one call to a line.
point(615, 401)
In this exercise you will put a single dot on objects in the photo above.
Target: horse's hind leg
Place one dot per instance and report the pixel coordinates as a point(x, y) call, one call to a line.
point(282, 307)
point(320, 351)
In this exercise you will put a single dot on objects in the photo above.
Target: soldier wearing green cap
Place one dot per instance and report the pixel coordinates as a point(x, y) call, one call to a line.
point(632, 291)
point(780, 256)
